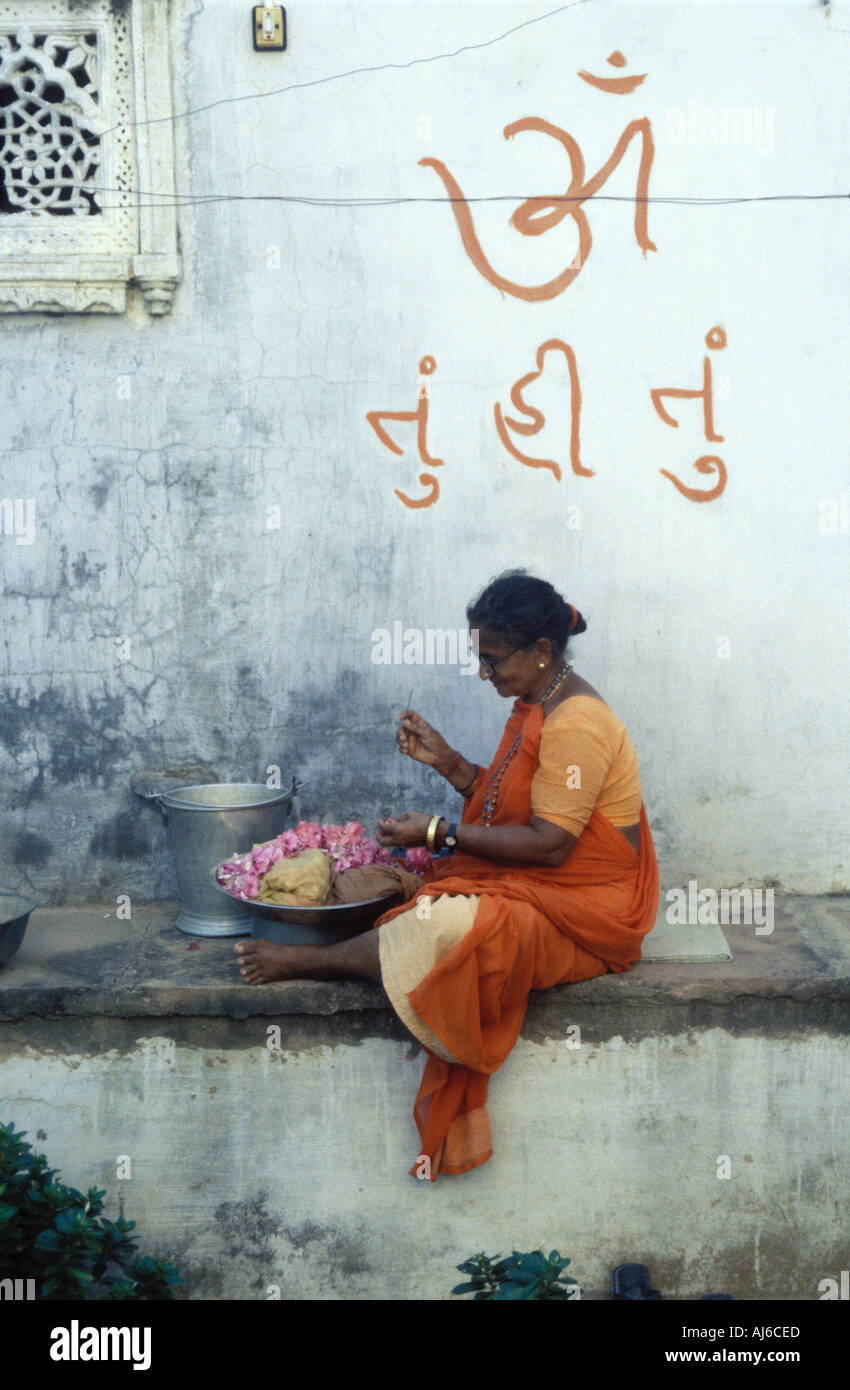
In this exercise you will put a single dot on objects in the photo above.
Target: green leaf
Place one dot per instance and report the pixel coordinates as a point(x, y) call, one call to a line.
point(510, 1290)
point(120, 1291)
point(70, 1222)
point(53, 1233)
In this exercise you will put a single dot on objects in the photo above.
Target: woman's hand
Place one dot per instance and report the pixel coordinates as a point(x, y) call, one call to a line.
point(409, 830)
point(420, 742)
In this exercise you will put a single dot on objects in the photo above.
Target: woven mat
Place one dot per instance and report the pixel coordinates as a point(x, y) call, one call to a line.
point(684, 943)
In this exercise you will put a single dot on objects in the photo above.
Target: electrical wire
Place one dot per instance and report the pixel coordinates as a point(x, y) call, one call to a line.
point(176, 199)
point(201, 199)
point(355, 72)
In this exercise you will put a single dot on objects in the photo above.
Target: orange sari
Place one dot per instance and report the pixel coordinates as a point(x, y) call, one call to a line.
point(534, 927)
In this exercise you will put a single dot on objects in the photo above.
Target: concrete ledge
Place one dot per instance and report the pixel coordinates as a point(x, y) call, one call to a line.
point(81, 962)
point(285, 1162)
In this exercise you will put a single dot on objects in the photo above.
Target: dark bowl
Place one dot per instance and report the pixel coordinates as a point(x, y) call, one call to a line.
point(15, 910)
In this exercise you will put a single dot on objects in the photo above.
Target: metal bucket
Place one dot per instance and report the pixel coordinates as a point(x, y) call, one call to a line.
point(207, 824)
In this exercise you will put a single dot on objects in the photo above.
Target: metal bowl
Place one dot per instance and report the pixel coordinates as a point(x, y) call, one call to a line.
point(311, 926)
point(15, 910)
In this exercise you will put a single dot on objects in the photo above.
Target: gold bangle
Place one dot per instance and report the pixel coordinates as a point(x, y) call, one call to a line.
point(431, 832)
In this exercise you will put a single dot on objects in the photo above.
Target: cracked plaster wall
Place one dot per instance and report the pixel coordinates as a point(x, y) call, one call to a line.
point(157, 616)
point(289, 1169)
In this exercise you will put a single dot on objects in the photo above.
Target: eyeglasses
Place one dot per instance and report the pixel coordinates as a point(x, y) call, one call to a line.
point(491, 665)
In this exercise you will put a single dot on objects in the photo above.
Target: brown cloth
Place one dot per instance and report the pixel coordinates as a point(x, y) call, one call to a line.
point(373, 881)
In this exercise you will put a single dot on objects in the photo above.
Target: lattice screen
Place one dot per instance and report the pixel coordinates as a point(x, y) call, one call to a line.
point(75, 76)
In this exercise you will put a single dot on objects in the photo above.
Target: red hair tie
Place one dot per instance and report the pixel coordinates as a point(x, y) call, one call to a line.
point(573, 618)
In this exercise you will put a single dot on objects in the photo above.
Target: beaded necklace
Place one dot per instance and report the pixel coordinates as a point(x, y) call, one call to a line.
point(491, 792)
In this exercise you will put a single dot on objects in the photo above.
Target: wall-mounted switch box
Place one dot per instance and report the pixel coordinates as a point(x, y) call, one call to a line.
point(269, 26)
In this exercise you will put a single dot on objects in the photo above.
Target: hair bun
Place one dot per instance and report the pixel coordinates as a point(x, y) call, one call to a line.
point(577, 623)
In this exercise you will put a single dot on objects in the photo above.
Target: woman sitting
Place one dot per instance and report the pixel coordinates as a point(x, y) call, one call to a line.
point(552, 875)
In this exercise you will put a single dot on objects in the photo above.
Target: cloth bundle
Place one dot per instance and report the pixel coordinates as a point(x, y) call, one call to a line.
point(301, 880)
point(307, 879)
point(367, 881)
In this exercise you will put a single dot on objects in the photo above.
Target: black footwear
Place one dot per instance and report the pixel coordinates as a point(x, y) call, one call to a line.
point(633, 1282)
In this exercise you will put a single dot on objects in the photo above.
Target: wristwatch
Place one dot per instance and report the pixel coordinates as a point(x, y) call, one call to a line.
point(450, 837)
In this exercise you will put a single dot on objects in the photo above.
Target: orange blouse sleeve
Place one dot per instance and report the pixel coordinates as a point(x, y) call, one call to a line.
point(574, 759)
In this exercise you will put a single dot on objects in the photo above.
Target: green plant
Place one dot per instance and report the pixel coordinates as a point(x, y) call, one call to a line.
point(517, 1276)
point(57, 1236)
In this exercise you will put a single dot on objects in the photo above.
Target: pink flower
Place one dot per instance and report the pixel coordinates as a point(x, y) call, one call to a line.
point(251, 885)
point(417, 860)
point(309, 834)
point(346, 845)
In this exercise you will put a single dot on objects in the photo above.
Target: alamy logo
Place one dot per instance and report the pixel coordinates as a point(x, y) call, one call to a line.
point(831, 1288)
point(713, 125)
point(17, 1289)
point(725, 907)
point(16, 521)
point(77, 1343)
point(428, 646)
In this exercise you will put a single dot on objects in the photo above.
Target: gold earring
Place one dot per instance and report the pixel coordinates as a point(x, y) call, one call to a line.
point(540, 665)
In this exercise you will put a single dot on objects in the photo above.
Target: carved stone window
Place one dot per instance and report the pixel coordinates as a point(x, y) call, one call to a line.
point(86, 156)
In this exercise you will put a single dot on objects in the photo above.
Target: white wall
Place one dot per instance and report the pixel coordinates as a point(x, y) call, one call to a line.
point(256, 1169)
point(253, 646)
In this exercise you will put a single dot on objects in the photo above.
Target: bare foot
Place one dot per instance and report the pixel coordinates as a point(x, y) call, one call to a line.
point(261, 961)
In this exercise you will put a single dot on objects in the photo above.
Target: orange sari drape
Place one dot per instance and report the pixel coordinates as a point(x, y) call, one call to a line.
point(534, 927)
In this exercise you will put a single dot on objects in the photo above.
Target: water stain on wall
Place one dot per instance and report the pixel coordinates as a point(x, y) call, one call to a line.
point(85, 745)
point(246, 1227)
point(123, 836)
point(344, 1251)
point(83, 573)
point(30, 849)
